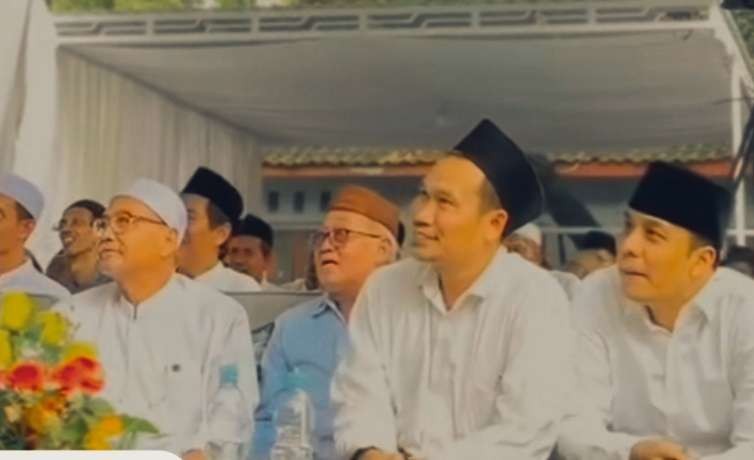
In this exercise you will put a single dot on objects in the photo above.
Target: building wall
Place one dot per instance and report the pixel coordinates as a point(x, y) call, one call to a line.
point(605, 199)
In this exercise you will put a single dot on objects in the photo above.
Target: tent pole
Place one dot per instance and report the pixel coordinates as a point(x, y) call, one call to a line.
point(736, 136)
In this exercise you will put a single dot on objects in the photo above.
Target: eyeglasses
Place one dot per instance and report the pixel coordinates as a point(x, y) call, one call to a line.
point(338, 237)
point(122, 222)
point(73, 223)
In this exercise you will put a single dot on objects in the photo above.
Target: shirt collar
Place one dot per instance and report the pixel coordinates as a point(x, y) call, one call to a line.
point(22, 269)
point(212, 273)
point(160, 300)
point(483, 287)
point(325, 305)
point(705, 300)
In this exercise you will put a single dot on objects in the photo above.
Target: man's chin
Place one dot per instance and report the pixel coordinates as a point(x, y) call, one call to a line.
point(109, 266)
point(635, 293)
point(74, 251)
point(423, 253)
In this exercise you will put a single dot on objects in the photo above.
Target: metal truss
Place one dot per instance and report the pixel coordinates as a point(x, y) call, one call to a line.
point(514, 19)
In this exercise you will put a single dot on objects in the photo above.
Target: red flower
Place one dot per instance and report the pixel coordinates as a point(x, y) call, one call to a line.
point(26, 377)
point(81, 374)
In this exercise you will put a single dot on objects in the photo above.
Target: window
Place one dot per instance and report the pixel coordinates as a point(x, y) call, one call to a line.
point(324, 200)
point(299, 201)
point(273, 201)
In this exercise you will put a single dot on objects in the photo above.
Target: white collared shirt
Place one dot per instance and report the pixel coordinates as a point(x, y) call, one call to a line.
point(485, 380)
point(227, 280)
point(694, 386)
point(163, 359)
point(568, 281)
point(27, 279)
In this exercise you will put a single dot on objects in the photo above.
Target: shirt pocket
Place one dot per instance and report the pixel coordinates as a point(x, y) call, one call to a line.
point(180, 401)
point(481, 396)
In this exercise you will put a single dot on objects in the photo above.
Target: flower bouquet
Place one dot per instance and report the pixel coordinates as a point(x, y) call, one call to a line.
point(49, 386)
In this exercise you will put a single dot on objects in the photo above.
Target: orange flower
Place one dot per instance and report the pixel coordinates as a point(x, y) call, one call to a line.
point(81, 374)
point(28, 376)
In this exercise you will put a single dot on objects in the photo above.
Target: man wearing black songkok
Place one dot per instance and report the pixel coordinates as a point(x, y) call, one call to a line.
point(250, 250)
point(461, 351)
point(666, 352)
point(214, 207)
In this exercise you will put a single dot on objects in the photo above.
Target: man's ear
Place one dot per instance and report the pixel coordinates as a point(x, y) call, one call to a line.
point(222, 234)
point(171, 243)
point(703, 259)
point(497, 221)
point(26, 228)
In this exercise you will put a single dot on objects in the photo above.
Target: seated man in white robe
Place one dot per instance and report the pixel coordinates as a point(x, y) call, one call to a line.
point(666, 339)
point(214, 207)
point(21, 204)
point(462, 351)
point(167, 343)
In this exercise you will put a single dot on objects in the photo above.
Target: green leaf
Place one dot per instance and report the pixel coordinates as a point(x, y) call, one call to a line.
point(99, 407)
point(139, 425)
point(73, 432)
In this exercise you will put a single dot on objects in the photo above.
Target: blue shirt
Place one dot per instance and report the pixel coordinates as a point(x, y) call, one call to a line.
point(311, 339)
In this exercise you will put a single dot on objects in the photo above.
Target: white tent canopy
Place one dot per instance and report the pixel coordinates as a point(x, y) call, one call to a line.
point(158, 95)
point(606, 93)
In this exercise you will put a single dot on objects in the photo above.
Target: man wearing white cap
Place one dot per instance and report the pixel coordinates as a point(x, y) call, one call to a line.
point(174, 350)
point(21, 204)
point(527, 242)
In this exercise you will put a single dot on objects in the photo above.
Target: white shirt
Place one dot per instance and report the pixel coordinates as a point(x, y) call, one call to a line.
point(568, 281)
point(694, 386)
point(163, 359)
point(228, 280)
point(483, 381)
point(27, 279)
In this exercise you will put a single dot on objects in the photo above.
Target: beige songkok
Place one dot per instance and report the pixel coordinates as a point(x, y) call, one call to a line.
point(361, 200)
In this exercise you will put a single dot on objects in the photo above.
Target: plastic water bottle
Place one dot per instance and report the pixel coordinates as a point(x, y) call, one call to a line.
point(226, 430)
point(294, 423)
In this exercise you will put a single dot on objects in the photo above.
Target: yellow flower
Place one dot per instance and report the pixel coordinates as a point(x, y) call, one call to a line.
point(101, 435)
point(80, 350)
point(17, 309)
point(6, 350)
point(96, 441)
point(13, 413)
point(110, 426)
point(54, 328)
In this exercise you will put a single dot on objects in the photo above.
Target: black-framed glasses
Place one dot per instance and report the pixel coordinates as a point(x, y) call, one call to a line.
point(338, 237)
point(122, 222)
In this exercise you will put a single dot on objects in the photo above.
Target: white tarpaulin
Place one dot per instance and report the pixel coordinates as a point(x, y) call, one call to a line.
point(103, 130)
point(603, 93)
point(28, 105)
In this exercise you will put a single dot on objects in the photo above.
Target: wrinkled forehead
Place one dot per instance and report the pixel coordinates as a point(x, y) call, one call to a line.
point(125, 204)
point(348, 219)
